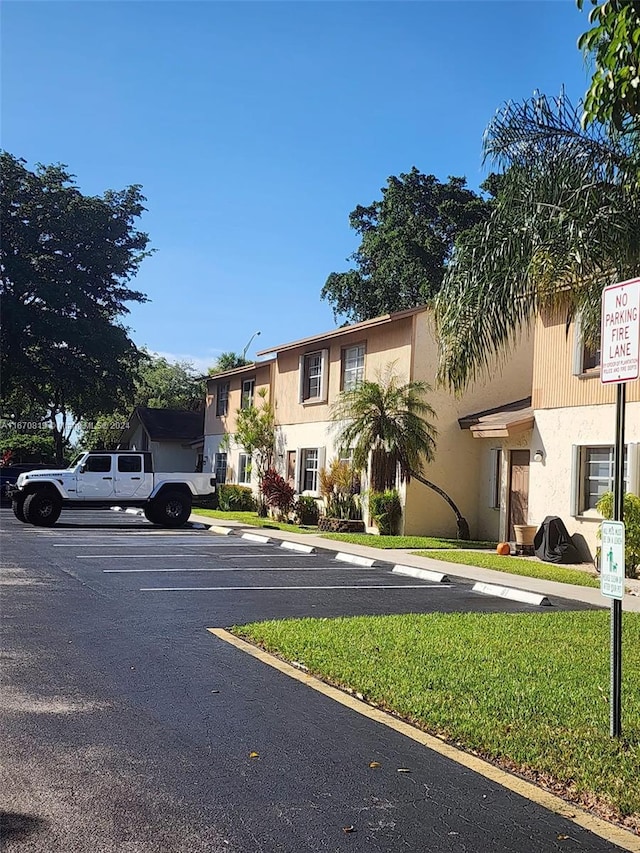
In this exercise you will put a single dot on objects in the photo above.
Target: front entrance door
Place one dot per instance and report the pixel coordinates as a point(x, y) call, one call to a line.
point(518, 489)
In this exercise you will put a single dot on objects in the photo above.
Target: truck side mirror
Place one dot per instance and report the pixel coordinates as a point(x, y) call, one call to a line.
point(83, 468)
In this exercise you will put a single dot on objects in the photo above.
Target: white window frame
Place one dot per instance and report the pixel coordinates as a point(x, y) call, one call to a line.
point(302, 469)
point(581, 477)
point(580, 354)
point(248, 392)
point(322, 377)
point(495, 478)
point(353, 374)
point(244, 469)
point(222, 399)
point(219, 464)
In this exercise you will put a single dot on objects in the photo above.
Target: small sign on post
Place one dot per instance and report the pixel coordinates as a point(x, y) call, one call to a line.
point(612, 559)
point(620, 341)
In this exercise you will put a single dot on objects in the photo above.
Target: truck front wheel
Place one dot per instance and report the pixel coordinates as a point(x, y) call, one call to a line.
point(17, 505)
point(171, 509)
point(42, 508)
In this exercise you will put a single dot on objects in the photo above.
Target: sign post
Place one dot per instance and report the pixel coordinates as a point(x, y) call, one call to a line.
point(619, 363)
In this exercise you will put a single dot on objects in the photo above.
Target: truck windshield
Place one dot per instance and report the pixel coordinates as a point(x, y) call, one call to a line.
point(76, 460)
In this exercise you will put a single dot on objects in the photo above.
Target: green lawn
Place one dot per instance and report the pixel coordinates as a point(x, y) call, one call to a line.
point(516, 566)
point(527, 690)
point(252, 519)
point(374, 541)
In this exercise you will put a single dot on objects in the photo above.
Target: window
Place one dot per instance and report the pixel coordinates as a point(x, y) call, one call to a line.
point(352, 367)
point(309, 470)
point(495, 477)
point(313, 377)
point(98, 464)
point(129, 464)
point(248, 389)
point(220, 467)
point(244, 468)
point(585, 359)
point(222, 403)
point(595, 476)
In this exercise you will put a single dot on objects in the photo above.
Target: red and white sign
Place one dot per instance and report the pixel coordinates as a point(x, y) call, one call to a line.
point(620, 342)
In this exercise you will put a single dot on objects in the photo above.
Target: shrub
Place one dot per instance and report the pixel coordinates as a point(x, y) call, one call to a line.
point(306, 510)
point(235, 498)
point(386, 511)
point(277, 492)
point(631, 528)
point(339, 485)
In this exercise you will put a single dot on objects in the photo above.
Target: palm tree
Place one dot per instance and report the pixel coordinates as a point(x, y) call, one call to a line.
point(565, 223)
point(388, 423)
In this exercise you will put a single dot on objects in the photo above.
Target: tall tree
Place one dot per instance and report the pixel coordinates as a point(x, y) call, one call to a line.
point(387, 426)
point(566, 223)
point(613, 45)
point(406, 241)
point(65, 262)
point(158, 384)
point(227, 361)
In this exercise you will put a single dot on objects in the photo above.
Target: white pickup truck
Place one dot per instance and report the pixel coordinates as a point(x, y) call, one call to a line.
point(103, 478)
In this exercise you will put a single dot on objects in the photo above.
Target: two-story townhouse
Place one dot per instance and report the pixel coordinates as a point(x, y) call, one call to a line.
point(227, 393)
point(574, 432)
point(305, 378)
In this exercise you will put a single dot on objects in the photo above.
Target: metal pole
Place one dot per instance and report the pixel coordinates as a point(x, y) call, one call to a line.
point(616, 604)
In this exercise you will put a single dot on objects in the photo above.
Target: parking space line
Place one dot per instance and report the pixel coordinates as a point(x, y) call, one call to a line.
point(158, 556)
point(284, 588)
point(238, 569)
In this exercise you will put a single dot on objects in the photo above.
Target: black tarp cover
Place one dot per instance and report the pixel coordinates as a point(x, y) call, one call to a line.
point(553, 544)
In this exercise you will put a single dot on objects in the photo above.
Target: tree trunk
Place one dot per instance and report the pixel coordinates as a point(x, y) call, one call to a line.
point(463, 525)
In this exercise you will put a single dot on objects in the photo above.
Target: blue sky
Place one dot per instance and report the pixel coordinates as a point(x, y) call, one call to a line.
point(255, 128)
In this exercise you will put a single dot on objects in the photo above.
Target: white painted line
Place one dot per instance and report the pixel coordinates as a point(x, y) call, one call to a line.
point(223, 531)
point(235, 569)
point(161, 556)
point(511, 594)
point(298, 546)
point(355, 559)
point(263, 588)
point(253, 537)
point(213, 546)
point(423, 574)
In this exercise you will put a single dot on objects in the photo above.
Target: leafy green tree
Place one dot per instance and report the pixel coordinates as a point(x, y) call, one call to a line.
point(65, 261)
point(158, 384)
point(613, 43)
point(566, 223)
point(387, 426)
point(255, 432)
point(406, 241)
point(227, 361)
point(27, 447)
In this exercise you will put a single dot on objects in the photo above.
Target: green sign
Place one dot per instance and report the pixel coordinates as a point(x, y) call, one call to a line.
point(612, 559)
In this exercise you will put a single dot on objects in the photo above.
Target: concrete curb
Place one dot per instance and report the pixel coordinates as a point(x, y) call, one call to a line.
point(511, 594)
point(298, 546)
point(253, 537)
point(355, 559)
point(421, 574)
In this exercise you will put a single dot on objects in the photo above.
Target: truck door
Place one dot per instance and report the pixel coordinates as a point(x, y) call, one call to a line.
point(95, 477)
point(130, 478)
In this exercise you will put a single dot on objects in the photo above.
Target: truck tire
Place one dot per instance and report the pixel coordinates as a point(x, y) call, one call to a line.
point(42, 508)
point(17, 505)
point(171, 508)
point(151, 514)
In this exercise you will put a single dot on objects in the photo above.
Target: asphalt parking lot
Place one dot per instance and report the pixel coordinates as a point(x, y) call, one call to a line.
point(217, 580)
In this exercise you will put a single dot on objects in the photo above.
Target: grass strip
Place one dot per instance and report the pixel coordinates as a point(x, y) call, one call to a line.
point(516, 566)
point(529, 691)
point(374, 541)
point(252, 519)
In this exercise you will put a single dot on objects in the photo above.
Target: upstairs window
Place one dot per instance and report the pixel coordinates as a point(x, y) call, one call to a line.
point(352, 367)
point(586, 360)
point(222, 401)
point(314, 377)
point(248, 391)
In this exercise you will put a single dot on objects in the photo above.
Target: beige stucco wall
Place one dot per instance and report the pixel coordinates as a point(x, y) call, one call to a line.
point(214, 425)
point(556, 430)
point(461, 463)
